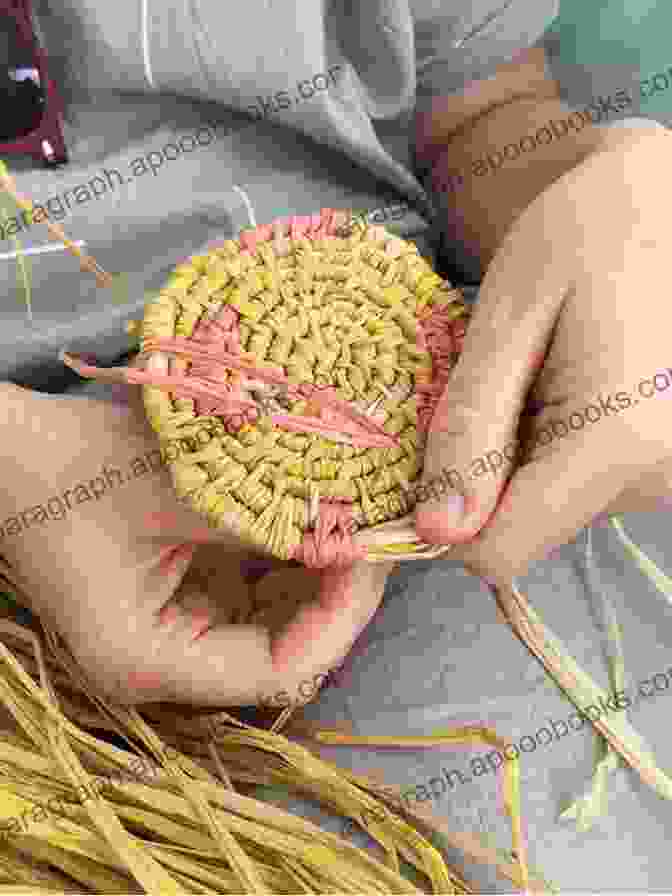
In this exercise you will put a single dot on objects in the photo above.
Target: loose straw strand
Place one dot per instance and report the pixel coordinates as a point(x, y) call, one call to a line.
point(87, 262)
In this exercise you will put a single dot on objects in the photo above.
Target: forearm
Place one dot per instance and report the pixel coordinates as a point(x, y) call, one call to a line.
point(483, 172)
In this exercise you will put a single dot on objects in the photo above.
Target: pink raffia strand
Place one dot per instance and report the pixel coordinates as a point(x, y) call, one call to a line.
point(323, 398)
point(222, 396)
point(227, 401)
point(222, 331)
point(443, 338)
point(178, 384)
point(330, 543)
point(248, 239)
point(214, 349)
point(329, 226)
point(328, 400)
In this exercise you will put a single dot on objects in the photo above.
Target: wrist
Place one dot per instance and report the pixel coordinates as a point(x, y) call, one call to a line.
point(493, 169)
point(450, 117)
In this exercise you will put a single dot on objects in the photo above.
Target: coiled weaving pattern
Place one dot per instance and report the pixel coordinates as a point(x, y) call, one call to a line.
point(298, 368)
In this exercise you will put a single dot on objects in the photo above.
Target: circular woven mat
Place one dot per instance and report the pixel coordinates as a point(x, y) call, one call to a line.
point(325, 301)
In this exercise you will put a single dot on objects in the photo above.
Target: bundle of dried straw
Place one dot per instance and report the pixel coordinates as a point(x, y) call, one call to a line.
point(79, 818)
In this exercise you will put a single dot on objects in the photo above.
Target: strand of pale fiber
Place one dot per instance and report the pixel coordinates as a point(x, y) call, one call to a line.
point(471, 32)
point(397, 531)
point(248, 205)
point(144, 15)
point(39, 250)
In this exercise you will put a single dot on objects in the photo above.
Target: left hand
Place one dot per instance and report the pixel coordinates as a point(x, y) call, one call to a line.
point(574, 307)
point(154, 605)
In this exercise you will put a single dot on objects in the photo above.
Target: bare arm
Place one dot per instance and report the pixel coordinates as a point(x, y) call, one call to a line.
point(518, 100)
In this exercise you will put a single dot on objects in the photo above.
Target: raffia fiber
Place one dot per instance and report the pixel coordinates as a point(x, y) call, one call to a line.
point(187, 828)
point(341, 311)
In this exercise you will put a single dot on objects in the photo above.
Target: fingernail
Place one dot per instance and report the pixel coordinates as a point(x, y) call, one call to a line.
point(168, 615)
point(489, 584)
point(601, 520)
point(143, 680)
point(120, 393)
point(437, 524)
point(176, 558)
point(200, 623)
point(154, 520)
point(553, 554)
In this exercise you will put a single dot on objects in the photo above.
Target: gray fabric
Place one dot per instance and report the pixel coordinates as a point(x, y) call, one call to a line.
point(454, 50)
point(349, 145)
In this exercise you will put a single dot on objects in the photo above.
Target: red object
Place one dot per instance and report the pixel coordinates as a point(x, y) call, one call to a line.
point(45, 143)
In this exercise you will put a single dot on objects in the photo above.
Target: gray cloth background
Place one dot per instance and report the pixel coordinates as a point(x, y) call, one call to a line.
point(209, 62)
point(436, 654)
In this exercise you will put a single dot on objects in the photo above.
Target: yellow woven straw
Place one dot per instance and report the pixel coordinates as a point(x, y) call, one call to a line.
point(339, 311)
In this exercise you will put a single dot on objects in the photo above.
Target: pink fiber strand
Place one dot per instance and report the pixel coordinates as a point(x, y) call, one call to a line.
point(443, 338)
point(330, 544)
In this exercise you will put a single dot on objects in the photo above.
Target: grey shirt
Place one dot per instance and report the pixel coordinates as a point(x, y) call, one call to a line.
point(170, 104)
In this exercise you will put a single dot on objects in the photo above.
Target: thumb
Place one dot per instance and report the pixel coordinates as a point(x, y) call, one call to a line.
point(472, 440)
point(553, 496)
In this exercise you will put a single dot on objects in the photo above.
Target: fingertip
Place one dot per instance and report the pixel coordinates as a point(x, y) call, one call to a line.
point(335, 592)
point(435, 528)
point(143, 681)
point(175, 558)
point(291, 643)
point(451, 521)
point(201, 621)
point(168, 615)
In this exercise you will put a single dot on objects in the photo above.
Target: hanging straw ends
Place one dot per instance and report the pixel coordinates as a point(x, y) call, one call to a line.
point(89, 371)
point(472, 734)
point(395, 541)
point(90, 820)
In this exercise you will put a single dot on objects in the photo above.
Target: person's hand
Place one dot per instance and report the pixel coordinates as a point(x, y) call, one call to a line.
point(573, 318)
point(154, 604)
